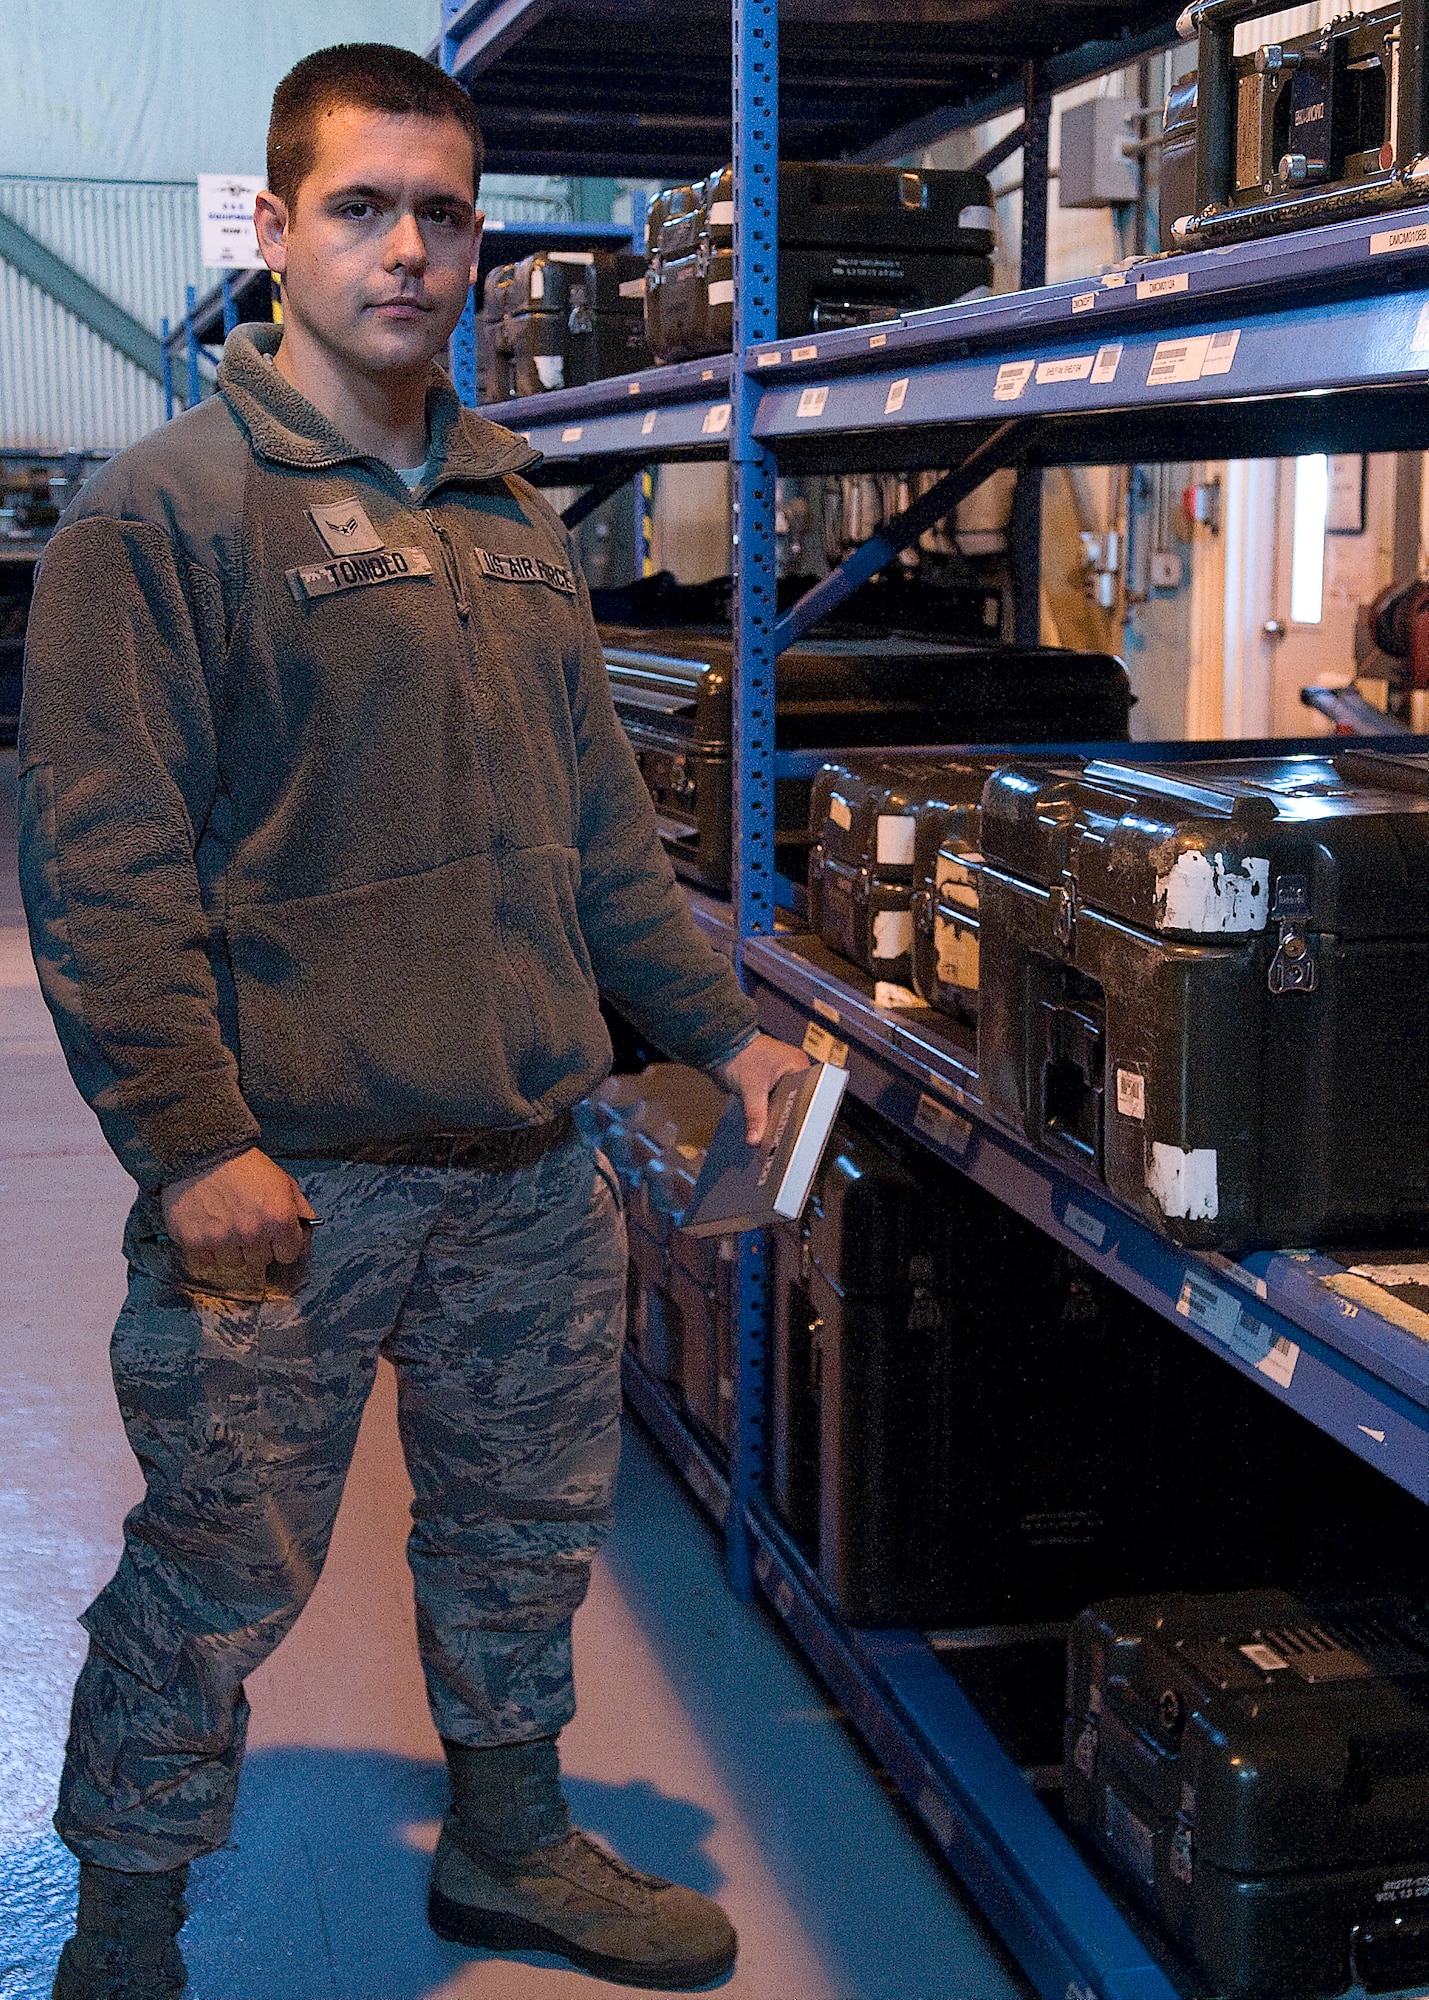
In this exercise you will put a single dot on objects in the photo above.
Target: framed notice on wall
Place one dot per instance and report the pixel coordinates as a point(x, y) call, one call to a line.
point(227, 238)
point(1344, 511)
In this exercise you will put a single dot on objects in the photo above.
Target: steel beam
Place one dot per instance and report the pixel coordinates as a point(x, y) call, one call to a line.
point(68, 288)
point(597, 493)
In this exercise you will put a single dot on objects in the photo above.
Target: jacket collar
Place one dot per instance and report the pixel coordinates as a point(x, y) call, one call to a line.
point(284, 427)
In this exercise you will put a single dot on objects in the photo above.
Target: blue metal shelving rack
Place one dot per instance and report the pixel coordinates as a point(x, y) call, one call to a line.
point(1313, 342)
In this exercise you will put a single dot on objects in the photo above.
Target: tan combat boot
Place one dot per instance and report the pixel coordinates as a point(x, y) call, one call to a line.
point(512, 1874)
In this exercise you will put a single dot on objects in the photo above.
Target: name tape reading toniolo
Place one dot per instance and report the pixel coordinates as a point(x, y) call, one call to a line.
point(525, 569)
point(310, 580)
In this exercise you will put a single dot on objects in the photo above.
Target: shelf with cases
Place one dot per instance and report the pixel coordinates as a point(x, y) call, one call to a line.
point(1326, 360)
point(1316, 342)
point(976, 1806)
point(620, 88)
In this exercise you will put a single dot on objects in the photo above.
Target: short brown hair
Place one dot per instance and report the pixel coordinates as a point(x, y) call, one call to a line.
point(371, 76)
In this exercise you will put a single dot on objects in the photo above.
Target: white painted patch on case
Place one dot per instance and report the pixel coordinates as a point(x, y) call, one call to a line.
point(1012, 379)
point(721, 292)
point(1131, 1093)
point(1071, 368)
point(892, 934)
point(1183, 1184)
point(895, 839)
point(552, 370)
point(888, 993)
point(975, 216)
point(958, 952)
point(812, 401)
point(957, 881)
point(721, 215)
point(1201, 895)
point(632, 288)
point(840, 812)
point(538, 282)
point(1392, 1274)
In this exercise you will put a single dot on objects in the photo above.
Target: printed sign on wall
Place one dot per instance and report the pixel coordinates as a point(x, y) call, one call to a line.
point(225, 209)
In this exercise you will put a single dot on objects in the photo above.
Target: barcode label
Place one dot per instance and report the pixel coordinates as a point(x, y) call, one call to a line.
point(803, 354)
point(828, 1010)
point(1084, 302)
point(812, 401)
point(1089, 1227)
point(1105, 366)
point(896, 397)
point(1012, 379)
point(1221, 352)
point(821, 1045)
point(943, 1126)
point(1221, 1315)
point(716, 419)
point(649, 423)
point(573, 435)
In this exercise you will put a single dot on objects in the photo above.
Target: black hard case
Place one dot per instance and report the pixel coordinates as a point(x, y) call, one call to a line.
point(558, 320)
point(855, 244)
point(1274, 1817)
point(866, 819)
point(969, 1427)
point(1203, 982)
point(655, 1128)
point(672, 692)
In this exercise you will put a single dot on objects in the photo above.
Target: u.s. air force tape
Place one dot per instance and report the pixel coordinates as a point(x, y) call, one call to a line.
point(311, 580)
point(525, 569)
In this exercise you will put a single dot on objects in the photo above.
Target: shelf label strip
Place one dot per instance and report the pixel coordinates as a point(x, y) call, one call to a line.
point(1221, 1314)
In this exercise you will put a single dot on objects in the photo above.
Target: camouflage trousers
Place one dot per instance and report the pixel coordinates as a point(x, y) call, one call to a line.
point(499, 1299)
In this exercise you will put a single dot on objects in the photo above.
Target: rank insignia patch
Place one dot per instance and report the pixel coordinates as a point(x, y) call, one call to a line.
point(344, 529)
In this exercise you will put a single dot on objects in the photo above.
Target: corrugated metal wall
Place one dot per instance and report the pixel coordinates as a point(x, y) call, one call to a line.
point(61, 386)
point(137, 241)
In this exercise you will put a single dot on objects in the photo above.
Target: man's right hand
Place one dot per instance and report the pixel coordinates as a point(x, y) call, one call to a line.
point(233, 1220)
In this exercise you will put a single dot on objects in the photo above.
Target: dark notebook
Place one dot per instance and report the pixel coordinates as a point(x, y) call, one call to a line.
point(750, 1187)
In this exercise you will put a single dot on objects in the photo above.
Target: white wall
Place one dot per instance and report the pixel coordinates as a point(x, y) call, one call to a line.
point(160, 90)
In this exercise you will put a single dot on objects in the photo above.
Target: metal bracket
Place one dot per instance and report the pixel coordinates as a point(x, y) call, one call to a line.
point(1004, 447)
point(1295, 967)
point(598, 492)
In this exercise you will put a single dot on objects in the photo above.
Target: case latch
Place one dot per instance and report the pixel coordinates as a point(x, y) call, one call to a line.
point(1294, 968)
point(1064, 911)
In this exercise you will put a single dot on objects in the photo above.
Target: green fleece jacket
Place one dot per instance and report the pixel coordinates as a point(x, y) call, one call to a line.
point(329, 832)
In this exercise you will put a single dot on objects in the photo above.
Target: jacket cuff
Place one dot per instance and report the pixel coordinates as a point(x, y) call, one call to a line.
point(713, 1063)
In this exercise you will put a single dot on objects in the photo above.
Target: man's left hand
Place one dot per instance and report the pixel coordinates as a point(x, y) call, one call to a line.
point(754, 1073)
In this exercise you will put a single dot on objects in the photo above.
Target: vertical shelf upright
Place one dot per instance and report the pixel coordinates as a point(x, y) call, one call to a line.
point(756, 282)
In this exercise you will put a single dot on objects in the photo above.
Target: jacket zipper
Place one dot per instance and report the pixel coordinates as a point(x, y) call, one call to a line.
point(451, 565)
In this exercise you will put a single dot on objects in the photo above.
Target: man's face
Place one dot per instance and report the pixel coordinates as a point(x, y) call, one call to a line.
point(379, 252)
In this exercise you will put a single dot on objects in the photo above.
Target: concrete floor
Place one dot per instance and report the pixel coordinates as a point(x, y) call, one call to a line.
point(702, 1749)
